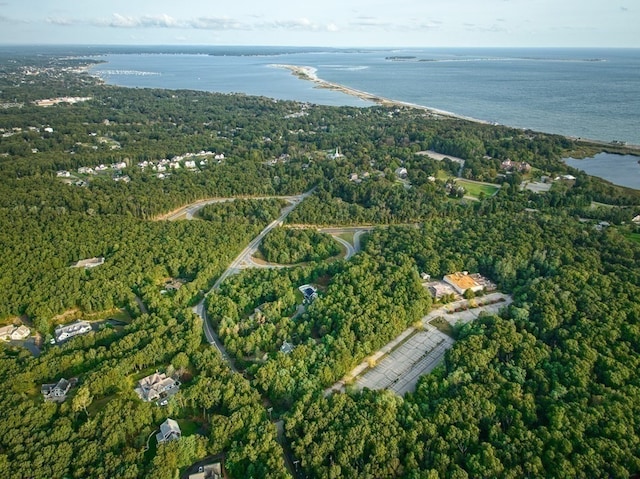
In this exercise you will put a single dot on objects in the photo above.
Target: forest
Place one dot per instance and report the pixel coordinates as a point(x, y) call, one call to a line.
point(549, 387)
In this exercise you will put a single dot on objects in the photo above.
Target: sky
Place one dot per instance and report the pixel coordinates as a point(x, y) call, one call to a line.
point(335, 23)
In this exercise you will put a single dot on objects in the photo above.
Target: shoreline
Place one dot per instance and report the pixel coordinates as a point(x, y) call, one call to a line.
point(310, 74)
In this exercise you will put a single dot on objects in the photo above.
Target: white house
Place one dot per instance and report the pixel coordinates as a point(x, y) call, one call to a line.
point(70, 330)
point(169, 431)
point(401, 172)
point(57, 392)
point(14, 333)
point(156, 387)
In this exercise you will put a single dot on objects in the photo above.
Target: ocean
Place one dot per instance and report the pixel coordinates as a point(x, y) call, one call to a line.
point(588, 93)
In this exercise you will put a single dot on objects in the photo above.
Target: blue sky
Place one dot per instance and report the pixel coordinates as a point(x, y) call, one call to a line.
point(421, 23)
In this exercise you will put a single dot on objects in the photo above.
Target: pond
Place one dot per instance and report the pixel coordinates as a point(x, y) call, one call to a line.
point(623, 170)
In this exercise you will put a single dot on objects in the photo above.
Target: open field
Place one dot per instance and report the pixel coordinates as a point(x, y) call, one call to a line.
point(474, 188)
point(633, 237)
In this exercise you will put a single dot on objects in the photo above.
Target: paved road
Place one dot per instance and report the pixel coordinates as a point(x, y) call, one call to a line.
point(234, 268)
point(189, 211)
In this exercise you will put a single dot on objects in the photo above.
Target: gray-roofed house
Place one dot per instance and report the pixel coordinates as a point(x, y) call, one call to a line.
point(157, 387)
point(286, 347)
point(70, 330)
point(208, 471)
point(57, 392)
point(169, 431)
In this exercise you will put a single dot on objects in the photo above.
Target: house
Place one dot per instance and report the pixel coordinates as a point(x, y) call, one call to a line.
point(57, 392)
point(636, 219)
point(63, 174)
point(461, 282)
point(425, 276)
point(14, 333)
point(70, 330)
point(308, 292)
point(157, 387)
point(286, 347)
point(401, 172)
point(336, 155)
point(208, 471)
point(190, 164)
point(89, 263)
point(169, 431)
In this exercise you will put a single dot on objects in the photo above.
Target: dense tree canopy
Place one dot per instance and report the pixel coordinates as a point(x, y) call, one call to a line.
point(549, 388)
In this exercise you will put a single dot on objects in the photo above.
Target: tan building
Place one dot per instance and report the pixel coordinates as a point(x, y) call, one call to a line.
point(462, 281)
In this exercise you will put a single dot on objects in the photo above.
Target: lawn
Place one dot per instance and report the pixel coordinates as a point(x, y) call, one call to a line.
point(347, 236)
point(633, 237)
point(474, 189)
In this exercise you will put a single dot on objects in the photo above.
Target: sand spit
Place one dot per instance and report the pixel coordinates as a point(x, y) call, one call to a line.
point(310, 74)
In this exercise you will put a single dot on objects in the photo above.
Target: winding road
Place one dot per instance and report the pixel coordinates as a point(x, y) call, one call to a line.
point(236, 266)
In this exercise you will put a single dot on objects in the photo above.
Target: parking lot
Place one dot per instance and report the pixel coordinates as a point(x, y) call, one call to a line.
point(399, 365)
point(400, 370)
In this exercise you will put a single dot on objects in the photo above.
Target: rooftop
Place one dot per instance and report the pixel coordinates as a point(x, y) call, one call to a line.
point(461, 280)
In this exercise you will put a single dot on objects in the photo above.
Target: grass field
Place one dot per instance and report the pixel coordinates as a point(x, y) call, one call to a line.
point(633, 237)
point(474, 189)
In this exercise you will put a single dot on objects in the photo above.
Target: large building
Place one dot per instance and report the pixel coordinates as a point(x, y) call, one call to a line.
point(157, 387)
point(70, 330)
point(461, 282)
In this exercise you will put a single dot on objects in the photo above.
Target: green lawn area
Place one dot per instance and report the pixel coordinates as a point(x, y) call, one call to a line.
point(474, 189)
point(188, 427)
point(595, 204)
point(443, 175)
point(633, 237)
point(347, 236)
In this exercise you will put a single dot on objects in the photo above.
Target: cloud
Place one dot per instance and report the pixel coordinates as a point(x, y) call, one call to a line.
point(373, 23)
point(62, 21)
point(5, 19)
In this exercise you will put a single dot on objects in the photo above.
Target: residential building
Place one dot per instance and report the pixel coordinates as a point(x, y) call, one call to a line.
point(636, 219)
point(89, 263)
point(14, 333)
point(67, 331)
point(208, 471)
point(309, 292)
point(169, 431)
point(57, 392)
point(401, 172)
point(286, 347)
point(157, 387)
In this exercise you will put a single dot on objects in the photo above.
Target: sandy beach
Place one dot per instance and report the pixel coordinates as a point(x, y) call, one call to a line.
point(310, 74)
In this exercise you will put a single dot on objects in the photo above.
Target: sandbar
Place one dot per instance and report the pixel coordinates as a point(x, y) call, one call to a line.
point(311, 74)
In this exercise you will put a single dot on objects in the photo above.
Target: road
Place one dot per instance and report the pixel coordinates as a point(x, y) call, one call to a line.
point(188, 212)
point(234, 268)
point(357, 231)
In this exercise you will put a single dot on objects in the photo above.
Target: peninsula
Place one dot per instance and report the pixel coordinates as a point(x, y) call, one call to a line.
point(311, 74)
